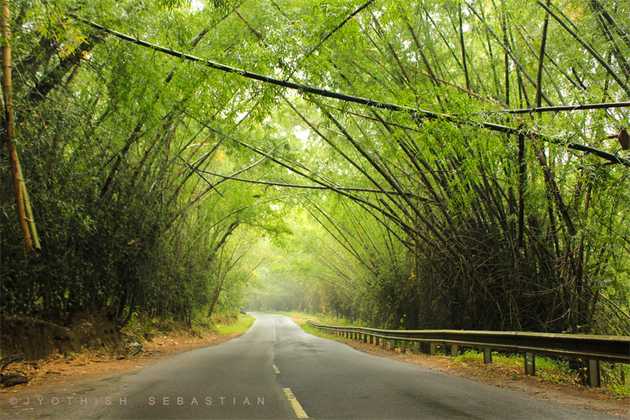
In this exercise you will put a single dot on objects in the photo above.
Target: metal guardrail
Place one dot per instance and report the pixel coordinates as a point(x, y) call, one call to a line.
point(590, 348)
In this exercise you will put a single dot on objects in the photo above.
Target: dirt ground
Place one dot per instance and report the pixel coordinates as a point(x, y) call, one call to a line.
point(93, 365)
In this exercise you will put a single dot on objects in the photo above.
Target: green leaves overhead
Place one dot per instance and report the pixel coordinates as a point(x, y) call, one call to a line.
point(162, 172)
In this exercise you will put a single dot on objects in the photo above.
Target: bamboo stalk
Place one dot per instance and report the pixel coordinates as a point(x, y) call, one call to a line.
point(463, 46)
point(9, 128)
point(300, 186)
point(526, 38)
point(30, 217)
point(389, 215)
point(541, 59)
point(587, 46)
point(506, 57)
point(522, 179)
point(505, 44)
point(616, 51)
point(611, 21)
point(336, 28)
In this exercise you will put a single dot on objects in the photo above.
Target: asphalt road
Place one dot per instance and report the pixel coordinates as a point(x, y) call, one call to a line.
point(276, 370)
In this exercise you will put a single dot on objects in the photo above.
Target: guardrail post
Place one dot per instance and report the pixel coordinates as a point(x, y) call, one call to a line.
point(594, 377)
point(427, 348)
point(365, 338)
point(454, 349)
point(487, 356)
point(530, 364)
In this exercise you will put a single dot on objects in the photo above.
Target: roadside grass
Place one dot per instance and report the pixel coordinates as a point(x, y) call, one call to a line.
point(302, 318)
point(309, 329)
point(146, 328)
point(237, 326)
point(617, 378)
point(548, 370)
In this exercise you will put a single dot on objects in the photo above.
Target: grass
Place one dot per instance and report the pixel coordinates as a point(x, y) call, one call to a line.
point(547, 369)
point(238, 326)
point(553, 370)
point(616, 378)
point(302, 319)
point(141, 327)
point(309, 329)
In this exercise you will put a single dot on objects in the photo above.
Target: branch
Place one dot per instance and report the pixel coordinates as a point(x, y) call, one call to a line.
point(574, 107)
point(306, 187)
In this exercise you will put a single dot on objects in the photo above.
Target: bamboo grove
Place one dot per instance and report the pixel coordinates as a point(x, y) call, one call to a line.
point(450, 164)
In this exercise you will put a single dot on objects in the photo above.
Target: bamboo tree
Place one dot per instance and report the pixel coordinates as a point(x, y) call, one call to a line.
point(24, 211)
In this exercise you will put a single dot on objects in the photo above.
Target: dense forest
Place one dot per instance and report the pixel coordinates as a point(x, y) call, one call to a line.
point(427, 163)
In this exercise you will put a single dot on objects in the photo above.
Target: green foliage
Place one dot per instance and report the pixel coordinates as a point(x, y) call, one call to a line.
point(239, 326)
point(167, 189)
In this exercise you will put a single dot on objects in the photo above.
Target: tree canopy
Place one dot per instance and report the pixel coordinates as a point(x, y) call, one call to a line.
point(451, 163)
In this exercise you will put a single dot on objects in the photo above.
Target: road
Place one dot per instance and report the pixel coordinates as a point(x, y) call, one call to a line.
point(276, 370)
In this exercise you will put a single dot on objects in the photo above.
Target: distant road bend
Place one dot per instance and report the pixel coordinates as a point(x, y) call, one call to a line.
point(276, 370)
